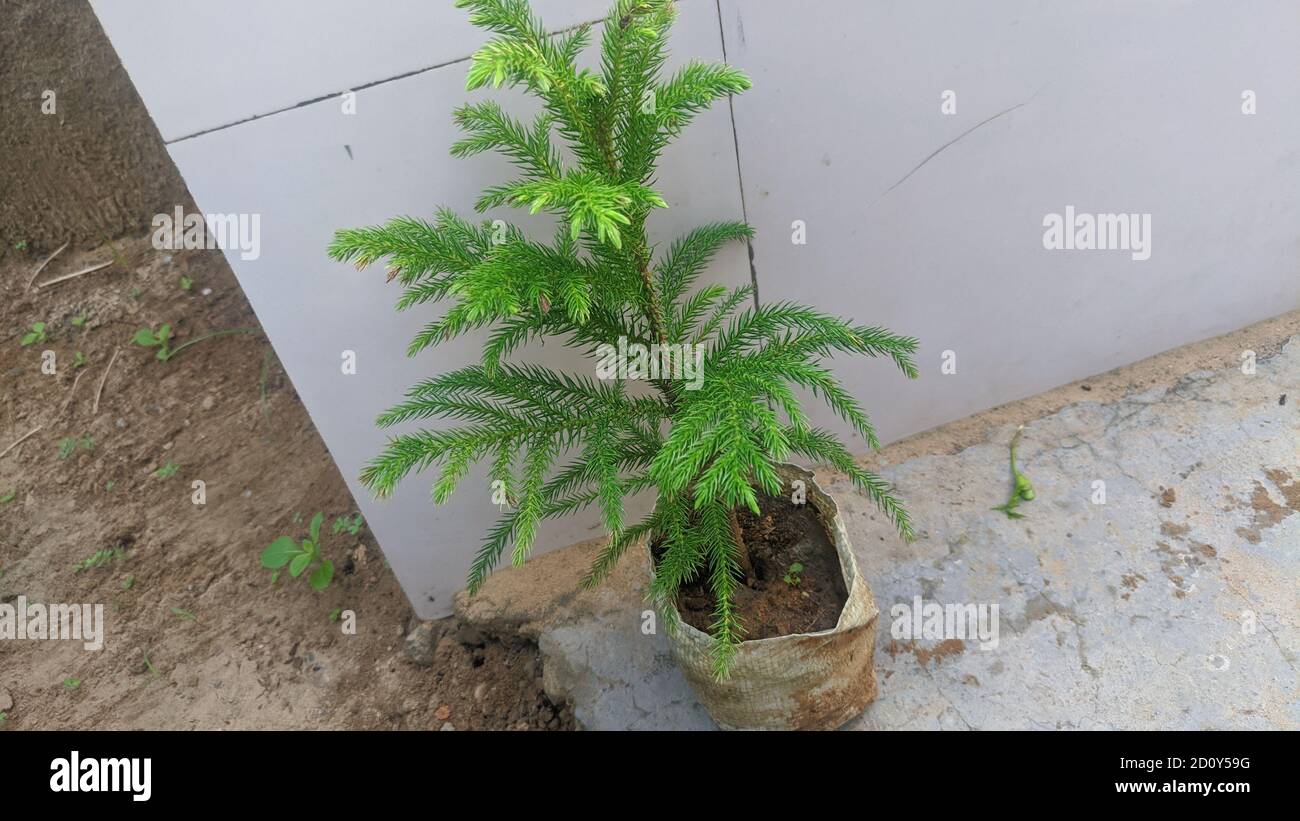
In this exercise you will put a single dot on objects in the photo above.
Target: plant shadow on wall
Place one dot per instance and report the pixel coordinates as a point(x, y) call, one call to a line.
point(723, 414)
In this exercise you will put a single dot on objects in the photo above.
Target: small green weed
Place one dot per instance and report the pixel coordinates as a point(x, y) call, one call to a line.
point(68, 445)
point(148, 338)
point(792, 576)
point(349, 524)
point(298, 556)
point(160, 339)
point(36, 334)
point(100, 558)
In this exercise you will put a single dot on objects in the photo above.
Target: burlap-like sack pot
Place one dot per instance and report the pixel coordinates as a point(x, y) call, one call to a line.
point(805, 681)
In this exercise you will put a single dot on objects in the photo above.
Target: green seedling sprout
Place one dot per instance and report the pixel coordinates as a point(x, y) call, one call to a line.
point(99, 558)
point(348, 524)
point(34, 336)
point(792, 576)
point(299, 556)
point(160, 339)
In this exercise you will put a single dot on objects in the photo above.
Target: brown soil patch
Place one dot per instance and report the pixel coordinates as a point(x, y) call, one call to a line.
point(947, 648)
point(1289, 487)
point(1266, 512)
point(484, 683)
point(778, 602)
point(1130, 582)
point(197, 636)
point(1175, 530)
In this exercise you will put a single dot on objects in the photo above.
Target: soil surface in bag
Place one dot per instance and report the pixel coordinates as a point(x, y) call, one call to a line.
point(797, 586)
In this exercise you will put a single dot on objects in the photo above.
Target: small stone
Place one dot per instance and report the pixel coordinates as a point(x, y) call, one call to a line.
point(442, 713)
point(248, 494)
point(206, 292)
point(447, 727)
point(208, 402)
point(121, 423)
point(480, 691)
point(418, 649)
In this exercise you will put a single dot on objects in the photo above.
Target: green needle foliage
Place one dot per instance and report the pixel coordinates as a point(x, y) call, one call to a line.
point(557, 442)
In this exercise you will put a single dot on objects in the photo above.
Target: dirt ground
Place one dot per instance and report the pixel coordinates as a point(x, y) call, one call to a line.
point(197, 635)
point(86, 163)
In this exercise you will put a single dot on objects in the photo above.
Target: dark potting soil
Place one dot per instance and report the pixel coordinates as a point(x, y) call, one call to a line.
point(777, 601)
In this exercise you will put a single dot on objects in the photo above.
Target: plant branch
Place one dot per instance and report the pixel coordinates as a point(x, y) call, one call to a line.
point(742, 550)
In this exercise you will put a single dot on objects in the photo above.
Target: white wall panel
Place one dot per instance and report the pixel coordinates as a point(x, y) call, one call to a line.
point(1110, 107)
point(201, 65)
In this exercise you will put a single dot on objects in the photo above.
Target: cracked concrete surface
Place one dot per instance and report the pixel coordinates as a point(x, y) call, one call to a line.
point(1175, 604)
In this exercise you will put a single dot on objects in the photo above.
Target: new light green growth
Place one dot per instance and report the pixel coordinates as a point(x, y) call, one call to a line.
point(1022, 490)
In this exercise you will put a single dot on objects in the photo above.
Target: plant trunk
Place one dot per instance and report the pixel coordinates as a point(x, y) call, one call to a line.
point(742, 551)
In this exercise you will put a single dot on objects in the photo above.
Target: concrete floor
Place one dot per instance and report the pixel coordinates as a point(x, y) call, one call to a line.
point(1175, 604)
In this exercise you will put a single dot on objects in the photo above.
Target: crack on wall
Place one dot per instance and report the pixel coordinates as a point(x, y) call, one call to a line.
point(954, 141)
point(334, 95)
point(735, 139)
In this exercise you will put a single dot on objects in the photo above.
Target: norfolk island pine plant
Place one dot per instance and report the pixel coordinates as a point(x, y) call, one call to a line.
point(558, 442)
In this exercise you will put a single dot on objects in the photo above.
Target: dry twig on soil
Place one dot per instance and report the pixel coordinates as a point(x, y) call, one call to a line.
point(94, 411)
point(66, 277)
point(29, 435)
point(41, 267)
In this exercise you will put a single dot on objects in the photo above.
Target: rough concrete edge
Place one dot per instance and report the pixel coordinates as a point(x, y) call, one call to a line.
point(1266, 338)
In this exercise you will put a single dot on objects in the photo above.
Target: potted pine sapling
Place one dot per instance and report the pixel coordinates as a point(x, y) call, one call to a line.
point(694, 394)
